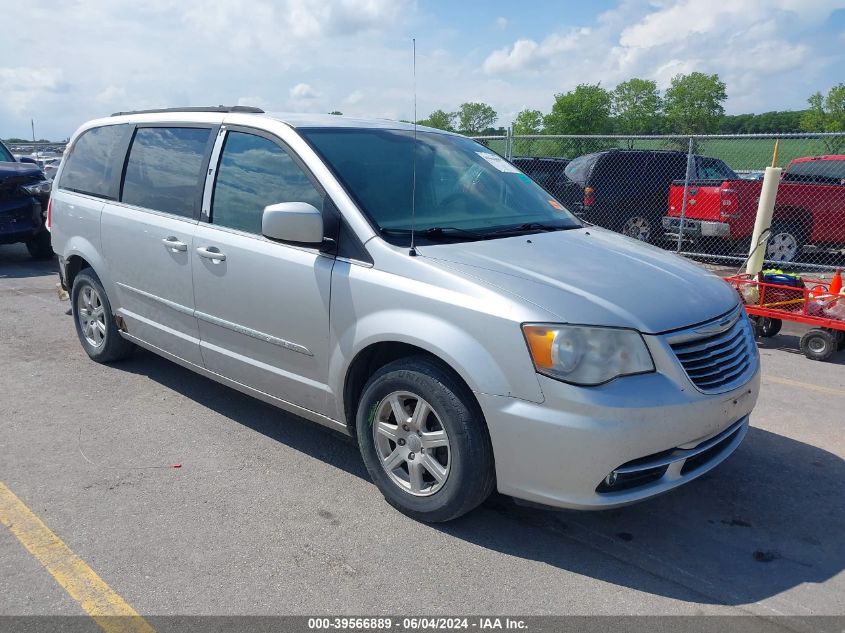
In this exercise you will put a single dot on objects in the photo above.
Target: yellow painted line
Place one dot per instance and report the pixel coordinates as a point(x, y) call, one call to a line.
point(109, 610)
point(832, 391)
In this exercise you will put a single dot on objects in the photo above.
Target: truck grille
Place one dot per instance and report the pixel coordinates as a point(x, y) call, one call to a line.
point(719, 355)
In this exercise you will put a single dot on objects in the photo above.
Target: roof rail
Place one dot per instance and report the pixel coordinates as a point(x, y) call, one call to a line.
point(220, 108)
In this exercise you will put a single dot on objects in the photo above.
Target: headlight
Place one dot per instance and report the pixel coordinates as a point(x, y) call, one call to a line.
point(586, 355)
point(37, 188)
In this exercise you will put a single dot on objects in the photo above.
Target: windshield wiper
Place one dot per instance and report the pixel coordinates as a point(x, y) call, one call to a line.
point(530, 226)
point(436, 232)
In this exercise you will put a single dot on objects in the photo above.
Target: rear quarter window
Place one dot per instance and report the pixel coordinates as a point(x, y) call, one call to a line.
point(165, 169)
point(96, 160)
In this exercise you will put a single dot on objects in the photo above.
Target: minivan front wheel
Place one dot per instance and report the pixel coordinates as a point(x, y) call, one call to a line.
point(424, 441)
point(94, 320)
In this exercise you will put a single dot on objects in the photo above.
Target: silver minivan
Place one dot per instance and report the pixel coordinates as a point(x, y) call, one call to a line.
point(410, 288)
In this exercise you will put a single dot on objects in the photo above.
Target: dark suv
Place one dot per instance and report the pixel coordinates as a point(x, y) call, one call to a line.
point(627, 190)
point(24, 197)
point(548, 172)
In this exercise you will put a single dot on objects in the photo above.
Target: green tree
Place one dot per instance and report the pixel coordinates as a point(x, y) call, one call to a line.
point(440, 119)
point(827, 114)
point(473, 117)
point(528, 122)
point(336, 112)
point(693, 103)
point(636, 106)
point(585, 110)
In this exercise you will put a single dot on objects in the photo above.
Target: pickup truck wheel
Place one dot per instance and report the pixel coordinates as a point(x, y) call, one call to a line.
point(818, 344)
point(424, 441)
point(94, 320)
point(769, 327)
point(40, 247)
point(639, 227)
point(785, 242)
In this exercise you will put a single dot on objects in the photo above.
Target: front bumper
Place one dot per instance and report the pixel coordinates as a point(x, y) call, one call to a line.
point(21, 218)
point(696, 228)
point(655, 431)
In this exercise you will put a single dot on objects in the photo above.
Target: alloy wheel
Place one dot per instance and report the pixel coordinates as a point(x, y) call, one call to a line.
point(638, 227)
point(92, 316)
point(411, 443)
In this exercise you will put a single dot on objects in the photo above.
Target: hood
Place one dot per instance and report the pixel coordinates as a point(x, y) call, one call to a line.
point(592, 276)
point(19, 173)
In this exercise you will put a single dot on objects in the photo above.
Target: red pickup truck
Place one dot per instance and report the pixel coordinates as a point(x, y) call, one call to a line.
point(810, 208)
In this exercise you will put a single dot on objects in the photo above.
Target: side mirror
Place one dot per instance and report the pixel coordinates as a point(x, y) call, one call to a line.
point(297, 222)
point(27, 159)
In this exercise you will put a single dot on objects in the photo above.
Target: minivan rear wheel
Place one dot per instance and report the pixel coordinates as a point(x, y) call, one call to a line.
point(94, 320)
point(424, 441)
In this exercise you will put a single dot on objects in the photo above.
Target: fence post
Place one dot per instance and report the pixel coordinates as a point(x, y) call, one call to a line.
point(509, 143)
point(686, 194)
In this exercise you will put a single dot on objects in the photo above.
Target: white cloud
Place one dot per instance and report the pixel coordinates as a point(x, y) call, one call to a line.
point(303, 91)
point(355, 55)
point(354, 97)
point(21, 87)
point(747, 42)
point(526, 54)
point(256, 102)
point(111, 94)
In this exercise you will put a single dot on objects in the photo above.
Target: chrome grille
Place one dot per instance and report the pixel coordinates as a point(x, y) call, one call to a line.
point(719, 355)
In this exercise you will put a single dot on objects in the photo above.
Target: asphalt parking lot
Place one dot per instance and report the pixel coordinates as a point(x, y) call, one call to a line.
point(270, 514)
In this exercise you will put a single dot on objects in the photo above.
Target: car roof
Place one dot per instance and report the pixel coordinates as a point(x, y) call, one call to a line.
point(293, 119)
point(807, 159)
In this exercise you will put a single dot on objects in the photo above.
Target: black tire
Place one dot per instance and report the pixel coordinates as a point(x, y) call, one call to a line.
point(839, 336)
point(769, 327)
point(785, 242)
point(818, 344)
point(40, 246)
point(470, 477)
point(113, 346)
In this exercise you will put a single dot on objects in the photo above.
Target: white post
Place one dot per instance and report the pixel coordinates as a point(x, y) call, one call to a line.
point(763, 221)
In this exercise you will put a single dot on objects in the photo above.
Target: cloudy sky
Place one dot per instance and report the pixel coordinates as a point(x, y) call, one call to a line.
point(66, 62)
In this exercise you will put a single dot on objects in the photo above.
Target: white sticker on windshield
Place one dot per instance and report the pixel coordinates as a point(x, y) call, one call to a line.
point(498, 162)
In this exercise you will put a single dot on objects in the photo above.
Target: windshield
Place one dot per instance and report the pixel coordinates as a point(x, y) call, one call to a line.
point(5, 156)
point(461, 186)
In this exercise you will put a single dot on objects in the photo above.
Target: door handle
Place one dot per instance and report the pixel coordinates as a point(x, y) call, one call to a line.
point(212, 253)
point(174, 244)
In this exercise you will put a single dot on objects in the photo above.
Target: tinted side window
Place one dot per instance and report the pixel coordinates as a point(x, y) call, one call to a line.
point(714, 169)
point(165, 169)
point(253, 173)
point(578, 170)
point(618, 170)
point(96, 160)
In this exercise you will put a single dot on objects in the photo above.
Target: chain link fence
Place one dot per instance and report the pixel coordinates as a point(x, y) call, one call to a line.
point(698, 195)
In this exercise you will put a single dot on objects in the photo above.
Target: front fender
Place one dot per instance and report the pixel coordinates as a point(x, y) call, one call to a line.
point(484, 347)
